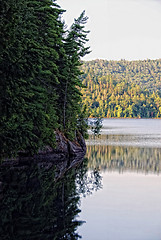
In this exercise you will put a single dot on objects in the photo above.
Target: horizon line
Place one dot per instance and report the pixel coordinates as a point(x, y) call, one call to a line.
point(122, 59)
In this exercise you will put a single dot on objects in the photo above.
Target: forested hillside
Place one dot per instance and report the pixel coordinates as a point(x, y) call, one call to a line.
point(39, 69)
point(146, 73)
point(122, 88)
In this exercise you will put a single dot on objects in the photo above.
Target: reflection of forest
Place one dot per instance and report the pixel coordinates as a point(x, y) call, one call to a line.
point(124, 158)
point(126, 140)
point(35, 205)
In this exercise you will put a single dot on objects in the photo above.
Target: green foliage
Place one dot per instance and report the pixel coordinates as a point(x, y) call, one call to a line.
point(39, 69)
point(82, 122)
point(110, 97)
point(70, 84)
point(27, 72)
point(96, 125)
point(145, 73)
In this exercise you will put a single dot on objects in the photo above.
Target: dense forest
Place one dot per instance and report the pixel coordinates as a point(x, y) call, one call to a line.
point(122, 88)
point(39, 75)
point(146, 73)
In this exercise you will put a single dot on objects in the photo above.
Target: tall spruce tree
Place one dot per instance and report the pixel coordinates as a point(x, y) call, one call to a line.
point(69, 93)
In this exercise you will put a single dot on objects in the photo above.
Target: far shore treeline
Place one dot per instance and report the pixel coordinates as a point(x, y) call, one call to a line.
point(39, 75)
point(122, 89)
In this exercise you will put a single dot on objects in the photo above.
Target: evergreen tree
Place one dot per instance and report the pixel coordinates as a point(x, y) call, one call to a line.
point(30, 32)
point(69, 94)
point(39, 69)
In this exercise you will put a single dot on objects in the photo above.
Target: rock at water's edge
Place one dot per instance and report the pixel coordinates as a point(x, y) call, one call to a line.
point(65, 149)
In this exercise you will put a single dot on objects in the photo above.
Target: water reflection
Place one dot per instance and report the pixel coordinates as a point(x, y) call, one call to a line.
point(34, 205)
point(128, 206)
point(123, 158)
point(136, 140)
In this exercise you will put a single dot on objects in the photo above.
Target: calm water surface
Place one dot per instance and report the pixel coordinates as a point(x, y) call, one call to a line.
point(128, 157)
point(116, 190)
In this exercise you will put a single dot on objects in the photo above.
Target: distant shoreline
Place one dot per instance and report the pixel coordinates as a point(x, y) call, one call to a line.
point(122, 118)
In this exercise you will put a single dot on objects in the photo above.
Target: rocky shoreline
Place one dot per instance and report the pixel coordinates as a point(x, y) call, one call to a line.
point(66, 152)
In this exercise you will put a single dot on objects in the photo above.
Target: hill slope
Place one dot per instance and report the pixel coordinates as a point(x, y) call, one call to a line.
point(122, 88)
point(146, 73)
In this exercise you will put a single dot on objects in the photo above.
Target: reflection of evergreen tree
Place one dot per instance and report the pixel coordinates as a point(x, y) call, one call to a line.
point(34, 205)
point(88, 181)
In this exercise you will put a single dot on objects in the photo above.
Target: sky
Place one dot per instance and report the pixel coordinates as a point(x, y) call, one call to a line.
point(119, 29)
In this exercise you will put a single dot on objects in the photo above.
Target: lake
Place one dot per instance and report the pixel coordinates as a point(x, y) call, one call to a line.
point(127, 156)
point(114, 193)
